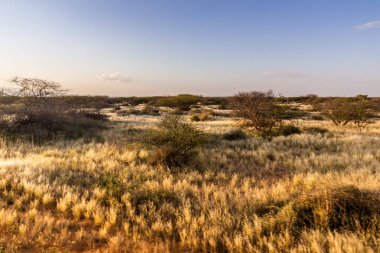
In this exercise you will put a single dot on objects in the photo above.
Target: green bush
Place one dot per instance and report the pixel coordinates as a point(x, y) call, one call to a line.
point(113, 185)
point(181, 101)
point(289, 130)
point(195, 118)
point(174, 142)
point(317, 117)
point(294, 113)
point(222, 106)
point(316, 130)
point(235, 134)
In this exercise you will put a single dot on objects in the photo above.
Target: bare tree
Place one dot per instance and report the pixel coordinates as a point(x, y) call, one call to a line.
point(34, 90)
point(258, 110)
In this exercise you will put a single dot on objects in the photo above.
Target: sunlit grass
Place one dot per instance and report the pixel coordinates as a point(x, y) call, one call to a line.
point(250, 195)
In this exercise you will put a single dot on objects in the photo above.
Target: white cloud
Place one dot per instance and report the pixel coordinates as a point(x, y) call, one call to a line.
point(369, 25)
point(282, 74)
point(114, 77)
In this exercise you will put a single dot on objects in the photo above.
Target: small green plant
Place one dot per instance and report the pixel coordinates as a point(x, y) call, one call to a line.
point(113, 185)
point(174, 142)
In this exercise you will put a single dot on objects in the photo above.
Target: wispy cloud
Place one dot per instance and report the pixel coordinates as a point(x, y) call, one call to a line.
point(369, 25)
point(114, 77)
point(282, 74)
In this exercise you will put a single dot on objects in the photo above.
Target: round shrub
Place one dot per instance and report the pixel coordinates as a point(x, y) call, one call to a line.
point(316, 130)
point(235, 134)
point(195, 118)
point(174, 142)
point(289, 130)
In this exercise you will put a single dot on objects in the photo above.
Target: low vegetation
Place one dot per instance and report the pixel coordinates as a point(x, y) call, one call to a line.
point(40, 112)
point(152, 183)
point(359, 110)
point(182, 102)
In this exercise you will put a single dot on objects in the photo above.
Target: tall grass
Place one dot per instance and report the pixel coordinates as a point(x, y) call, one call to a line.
point(300, 193)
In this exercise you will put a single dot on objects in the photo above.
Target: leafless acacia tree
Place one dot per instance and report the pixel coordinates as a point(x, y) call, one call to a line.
point(258, 110)
point(34, 90)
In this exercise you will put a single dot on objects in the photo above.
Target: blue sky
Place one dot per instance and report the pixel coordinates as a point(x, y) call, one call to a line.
point(210, 47)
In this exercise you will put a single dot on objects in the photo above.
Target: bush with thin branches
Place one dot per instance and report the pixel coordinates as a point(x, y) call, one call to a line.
point(259, 110)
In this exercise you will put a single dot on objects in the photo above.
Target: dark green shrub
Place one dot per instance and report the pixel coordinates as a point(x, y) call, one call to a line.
point(289, 130)
point(317, 117)
point(235, 134)
point(222, 106)
point(294, 113)
point(215, 101)
point(181, 101)
point(174, 142)
point(316, 130)
point(113, 185)
point(195, 118)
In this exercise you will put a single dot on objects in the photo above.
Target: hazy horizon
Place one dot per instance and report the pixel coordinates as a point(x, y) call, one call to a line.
point(210, 48)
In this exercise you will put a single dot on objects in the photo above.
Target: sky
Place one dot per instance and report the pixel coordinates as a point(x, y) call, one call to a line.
point(205, 47)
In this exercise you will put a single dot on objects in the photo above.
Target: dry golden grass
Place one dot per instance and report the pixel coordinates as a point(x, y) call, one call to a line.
point(302, 193)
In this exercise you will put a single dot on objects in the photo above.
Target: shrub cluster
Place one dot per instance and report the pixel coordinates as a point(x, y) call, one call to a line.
point(359, 110)
point(182, 102)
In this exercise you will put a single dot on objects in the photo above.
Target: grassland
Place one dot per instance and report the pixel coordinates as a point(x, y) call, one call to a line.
point(310, 192)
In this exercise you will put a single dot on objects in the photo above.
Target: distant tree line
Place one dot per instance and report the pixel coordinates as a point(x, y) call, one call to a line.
point(42, 109)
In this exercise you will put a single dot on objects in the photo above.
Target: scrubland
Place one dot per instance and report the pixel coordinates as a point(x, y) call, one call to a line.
point(310, 192)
